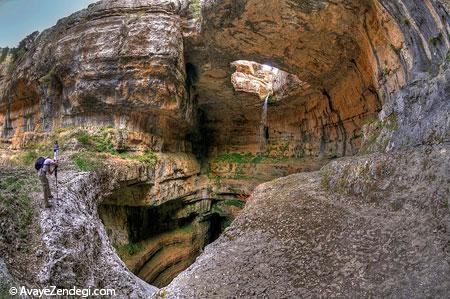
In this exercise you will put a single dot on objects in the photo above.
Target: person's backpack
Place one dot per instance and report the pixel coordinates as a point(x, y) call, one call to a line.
point(39, 163)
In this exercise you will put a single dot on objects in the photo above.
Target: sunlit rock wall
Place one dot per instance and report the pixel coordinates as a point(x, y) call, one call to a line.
point(117, 63)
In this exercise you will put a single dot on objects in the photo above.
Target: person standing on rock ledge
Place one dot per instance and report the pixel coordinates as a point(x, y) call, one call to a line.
point(48, 167)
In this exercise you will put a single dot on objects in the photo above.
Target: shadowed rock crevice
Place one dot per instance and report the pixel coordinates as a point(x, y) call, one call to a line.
point(158, 242)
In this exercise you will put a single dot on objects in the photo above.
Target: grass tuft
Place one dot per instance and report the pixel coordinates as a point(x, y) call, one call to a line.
point(149, 157)
point(86, 161)
point(235, 202)
point(128, 250)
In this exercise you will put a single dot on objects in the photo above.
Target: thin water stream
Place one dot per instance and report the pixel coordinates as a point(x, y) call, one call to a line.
point(264, 129)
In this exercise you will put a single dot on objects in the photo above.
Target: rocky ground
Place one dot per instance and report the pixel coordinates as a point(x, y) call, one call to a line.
point(370, 226)
point(60, 245)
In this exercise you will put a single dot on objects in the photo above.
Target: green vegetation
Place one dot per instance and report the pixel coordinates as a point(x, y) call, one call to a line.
point(390, 123)
point(217, 209)
point(405, 21)
point(249, 158)
point(18, 53)
point(239, 158)
point(4, 54)
point(385, 71)
point(188, 228)
point(141, 13)
point(435, 40)
point(128, 250)
point(86, 161)
point(95, 145)
point(48, 78)
point(195, 7)
point(162, 293)
point(272, 100)
point(83, 138)
point(30, 155)
point(27, 157)
point(4, 290)
point(100, 141)
point(215, 178)
point(325, 181)
point(445, 203)
point(396, 206)
point(148, 157)
point(15, 200)
point(11, 68)
point(103, 143)
point(395, 49)
point(235, 202)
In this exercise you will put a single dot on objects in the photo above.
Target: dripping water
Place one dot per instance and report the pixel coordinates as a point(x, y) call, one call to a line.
point(264, 129)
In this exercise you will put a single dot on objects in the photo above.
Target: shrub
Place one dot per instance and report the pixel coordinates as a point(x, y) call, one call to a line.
point(4, 54)
point(435, 40)
point(48, 78)
point(128, 250)
point(395, 49)
point(385, 71)
point(103, 143)
point(83, 138)
point(99, 141)
point(195, 7)
point(11, 68)
point(405, 21)
point(148, 157)
point(445, 203)
point(14, 197)
point(239, 158)
point(272, 100)
point(85, 161)
point(28, 157)
point(235, 202)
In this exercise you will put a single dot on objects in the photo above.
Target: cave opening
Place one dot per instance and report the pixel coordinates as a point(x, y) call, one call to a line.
point(156, 243)
point(265, 81)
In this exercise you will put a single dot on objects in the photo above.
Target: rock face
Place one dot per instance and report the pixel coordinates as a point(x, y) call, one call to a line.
point(368, 226)
point(127, 217)
point(149, 66)
point(75, 240)
point(116, 63)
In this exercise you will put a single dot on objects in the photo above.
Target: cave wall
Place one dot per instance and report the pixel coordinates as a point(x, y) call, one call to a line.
point(160, 217)
point(353, 55)
point(117, 63)
point(130, 72)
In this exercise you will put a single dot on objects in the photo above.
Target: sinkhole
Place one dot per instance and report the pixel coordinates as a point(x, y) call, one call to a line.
point(158, 242)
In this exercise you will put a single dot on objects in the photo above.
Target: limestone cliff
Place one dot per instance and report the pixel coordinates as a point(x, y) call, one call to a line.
point(148, 63)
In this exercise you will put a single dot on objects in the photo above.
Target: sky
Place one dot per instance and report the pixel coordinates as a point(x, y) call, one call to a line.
point(18, 18)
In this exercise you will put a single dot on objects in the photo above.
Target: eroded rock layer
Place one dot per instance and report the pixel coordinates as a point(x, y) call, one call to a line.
point(116, 63)
point(368, 226)
point(147, 66)
point(352, 54)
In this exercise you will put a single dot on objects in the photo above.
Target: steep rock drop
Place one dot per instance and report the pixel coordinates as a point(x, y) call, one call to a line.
point(161, 109)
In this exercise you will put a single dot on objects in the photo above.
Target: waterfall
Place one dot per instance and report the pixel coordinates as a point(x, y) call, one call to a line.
point(264, 129)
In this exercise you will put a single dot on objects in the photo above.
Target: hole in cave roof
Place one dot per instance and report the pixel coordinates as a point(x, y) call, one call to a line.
point(263, 80)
